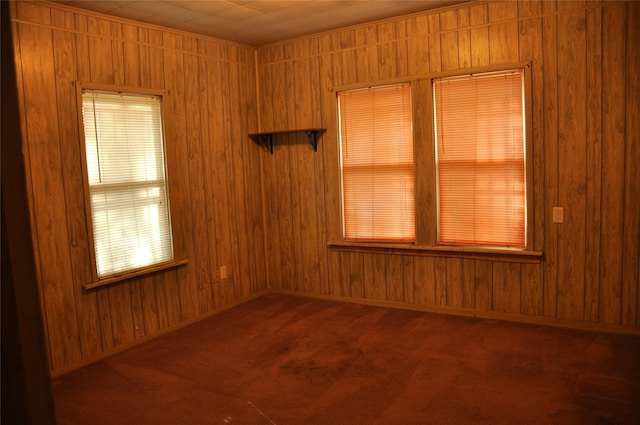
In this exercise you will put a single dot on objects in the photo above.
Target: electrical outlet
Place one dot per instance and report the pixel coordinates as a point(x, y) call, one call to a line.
point(223, 272)
point(558, 215)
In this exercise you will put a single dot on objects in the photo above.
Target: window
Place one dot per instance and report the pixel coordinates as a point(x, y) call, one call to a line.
point(480, 159)
point(126, 175)
point(376, 141)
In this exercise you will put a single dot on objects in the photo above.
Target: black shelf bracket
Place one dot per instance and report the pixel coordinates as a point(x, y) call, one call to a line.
point(266, 138)
point(312, 136)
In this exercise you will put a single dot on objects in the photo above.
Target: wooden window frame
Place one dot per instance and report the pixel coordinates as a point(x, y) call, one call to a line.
point(98, 281)
point(426, 242)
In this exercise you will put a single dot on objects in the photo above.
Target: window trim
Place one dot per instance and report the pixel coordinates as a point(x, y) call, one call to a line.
point(426, 241)
point(98, 281)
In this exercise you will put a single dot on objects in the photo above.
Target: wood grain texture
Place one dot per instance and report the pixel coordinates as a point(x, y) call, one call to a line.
point(566, 46)
point(572, 156)
point(631, 248)
point(269, 218)
point(613, 145)
point(550, 102)
point(204, 123)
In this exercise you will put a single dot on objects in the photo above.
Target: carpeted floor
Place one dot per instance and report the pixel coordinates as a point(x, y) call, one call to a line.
point(288, 360)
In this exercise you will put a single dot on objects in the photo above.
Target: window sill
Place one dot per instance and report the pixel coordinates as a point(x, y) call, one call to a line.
point(489, 254)
point(135, 273)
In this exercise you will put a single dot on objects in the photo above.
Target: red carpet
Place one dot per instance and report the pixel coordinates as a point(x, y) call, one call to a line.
point(287, 360)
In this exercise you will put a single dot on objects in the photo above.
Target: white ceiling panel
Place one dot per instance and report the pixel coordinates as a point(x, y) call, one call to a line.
point(257, 22)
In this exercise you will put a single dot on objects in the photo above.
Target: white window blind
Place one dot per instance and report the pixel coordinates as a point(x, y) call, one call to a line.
point(124, 147)
point(480, 142)
point(376, 141)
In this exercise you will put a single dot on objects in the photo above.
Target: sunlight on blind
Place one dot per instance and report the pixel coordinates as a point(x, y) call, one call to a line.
point(126, 170)
point(377, 163)
point(480, 159)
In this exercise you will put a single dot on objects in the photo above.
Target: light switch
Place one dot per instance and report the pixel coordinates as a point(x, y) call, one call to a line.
point(558, 215)
point(223, 272)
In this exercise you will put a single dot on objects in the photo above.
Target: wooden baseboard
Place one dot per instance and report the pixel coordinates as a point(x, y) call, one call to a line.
point(519, 318)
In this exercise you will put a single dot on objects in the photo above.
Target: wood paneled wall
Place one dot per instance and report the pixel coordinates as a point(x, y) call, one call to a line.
point(586, 147)
point(269, 218)
point(214, 174)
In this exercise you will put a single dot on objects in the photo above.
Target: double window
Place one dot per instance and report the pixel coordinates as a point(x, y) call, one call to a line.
point(126, 176)
point(478, 148)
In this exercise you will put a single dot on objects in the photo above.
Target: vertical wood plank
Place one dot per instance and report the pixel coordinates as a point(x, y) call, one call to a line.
point(532, 294)
point(329, 214)
point(455, 293)
point(149, 305)
point(170, 299)
point(209, 298)
point(468, 283)
point(64, 51)
point(572, 154)
point(345, 282)
point(417, 45)
point(506, 287)
point(478, 16)
point(242, 264)
point(550, 63)
point(117, 53)
point(100, 54)
point(283, 176)
point(195, 154)
point(631, 248)
point(349, 58)
point(483, 282)
point(464, 38)
point(503, 33)
point(104, 317)
point(409, 279)
point(120, 305)
point(217, 155)
point(594, 163)
point(613, 140)
point(330, 72)
point(338, 273)
point(401, 48)
point(375, 285)
point(386, 49)
point(435, 58)
point(232, 286)
point(178, 169)
point(531, 50)
point(394, 278)
point(318, 93)
point(440, 279)
point(449, 40)
point(356, 274)
point(425, 286)
point(367, 56)
point(162, 311)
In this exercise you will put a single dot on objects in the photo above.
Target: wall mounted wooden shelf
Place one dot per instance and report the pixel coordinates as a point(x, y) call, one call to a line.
point(266, 138)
